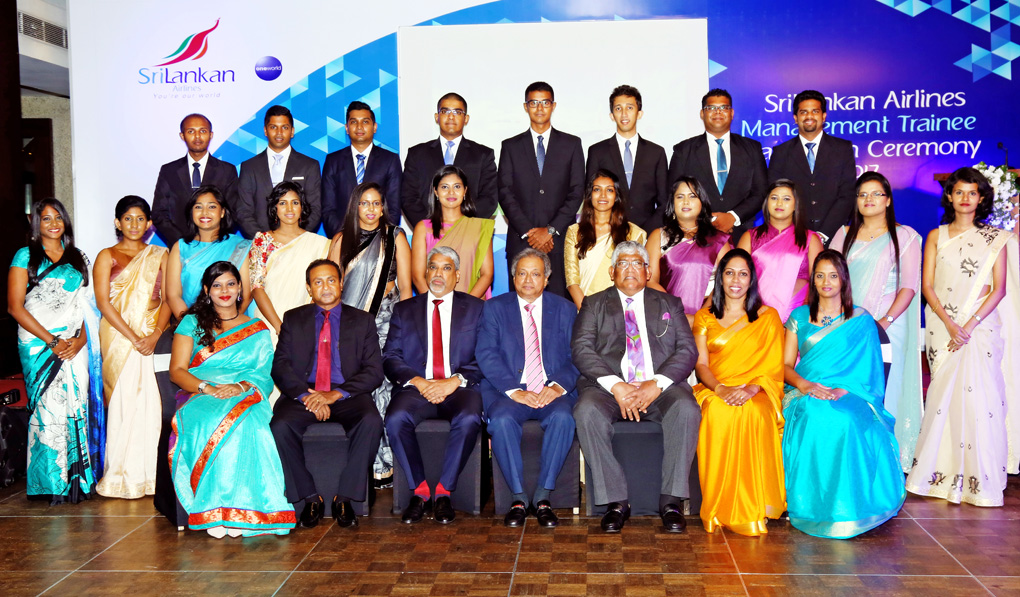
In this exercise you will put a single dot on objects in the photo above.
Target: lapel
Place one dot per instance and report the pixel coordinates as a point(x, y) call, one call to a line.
point(421, 323)
point(185, 172)
point(307, 332)
point(550, 323)
point(262, 177)
point(370, 164)
point(457, 314)
point(821, 154)
point(462, 153)
point(616, 331)
point(800, 158)
point(517, 329)
point(704, 163)
point(642, 161)
point(346, 157)
point(654, 308)
point(292, 166)
point(528, 155)
point(617, 158)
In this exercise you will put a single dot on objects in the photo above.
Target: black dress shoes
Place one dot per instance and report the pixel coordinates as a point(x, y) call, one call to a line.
point(344, 514)
point(416, 510)
point(544, 514)
point(444, 510)
point(312, 513)
point(615, 517)
point(517, 515)
point(673, 520)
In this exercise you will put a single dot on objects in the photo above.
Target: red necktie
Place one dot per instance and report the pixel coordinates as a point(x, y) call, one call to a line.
point(438, 366)
point(324, 364)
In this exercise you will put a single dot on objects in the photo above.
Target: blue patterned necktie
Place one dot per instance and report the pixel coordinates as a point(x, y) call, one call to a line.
point(360, 170)
point(448, 156)
point(276, 172)
point(540, 154)
point(628, 162)
point(196, 176)
point(635, 354)
point(811, 156)
point(721, 168)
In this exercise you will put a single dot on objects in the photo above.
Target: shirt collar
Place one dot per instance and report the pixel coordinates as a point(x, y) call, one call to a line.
point(817, 141)
point(319, 310)
point(711, 138)
point(545, 136)
point(443, 141)
point(638, 298)
point(538, 302)
point(285, 153)
point(368, 150)
point(201, 163)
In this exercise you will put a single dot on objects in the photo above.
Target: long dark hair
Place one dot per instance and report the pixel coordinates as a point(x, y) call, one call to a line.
point(671, 226)
point(467, 207)
point(351, 239)
point(36, 253)
point(752, 300)
point(618, 225)
point(856, 219)
point(226, 222)
point(203, 309)
point(799, 227)
point(277, 193)
point(971, 176)
point(126, 203)
point(846, 295)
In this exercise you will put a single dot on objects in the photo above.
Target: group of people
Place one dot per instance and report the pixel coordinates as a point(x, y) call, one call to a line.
point(652, 288)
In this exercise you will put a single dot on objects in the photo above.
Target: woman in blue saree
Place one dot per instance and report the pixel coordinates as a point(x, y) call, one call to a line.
point(224, 462)
point(842, 462)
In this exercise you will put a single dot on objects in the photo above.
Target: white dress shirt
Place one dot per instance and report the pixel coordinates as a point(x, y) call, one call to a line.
point(638, 306)
point(445, 313)
point(201, 165)
point(536, 312)
point(817, 141)
point(355, 153)
point(453, 150)
point(545, 140)
point(270, 153)
point(622, 142)
point(713, 156)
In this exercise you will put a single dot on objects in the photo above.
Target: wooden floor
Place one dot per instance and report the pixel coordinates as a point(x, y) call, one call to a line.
point(107, 547)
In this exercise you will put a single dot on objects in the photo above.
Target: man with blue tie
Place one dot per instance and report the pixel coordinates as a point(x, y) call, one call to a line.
point(523, 350)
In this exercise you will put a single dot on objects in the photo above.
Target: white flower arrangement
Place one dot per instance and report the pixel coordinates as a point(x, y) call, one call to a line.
point(1004, 183)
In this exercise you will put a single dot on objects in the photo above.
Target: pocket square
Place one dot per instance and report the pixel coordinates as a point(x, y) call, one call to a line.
point(297, 178)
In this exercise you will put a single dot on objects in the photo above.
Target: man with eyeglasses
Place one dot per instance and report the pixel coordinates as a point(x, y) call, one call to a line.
point(634, 349)
point(822, 166)
point(637, 162)
point(541, 183)
point(475, 159)
point(731, 168)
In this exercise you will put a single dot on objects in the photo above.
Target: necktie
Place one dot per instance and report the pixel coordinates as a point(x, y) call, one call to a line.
point(540, 155)
point(721, 168)
point(635, 355)
point(360, 171)
point(811, 156)
point(438, 365)
point(628, 162)
point(276, 172)
point(323, 364)
point(533, 356)
point(448, 156)
point(196, 176)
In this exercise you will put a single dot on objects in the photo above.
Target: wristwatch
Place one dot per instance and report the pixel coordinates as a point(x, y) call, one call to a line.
point(463, 380)
point(201, 386)
point(890, 318)
point(552, 231)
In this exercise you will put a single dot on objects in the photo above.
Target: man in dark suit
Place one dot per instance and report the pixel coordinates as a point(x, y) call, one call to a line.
point(475, 159)
point(821, 165)
point(178, 179)
point(731, 168)
point(325, 378)
point(541, 184)
point(634, 349)
point(637, 162)
point(523, 351)
point(359, 162)
point(279, 162)
point(430, 358)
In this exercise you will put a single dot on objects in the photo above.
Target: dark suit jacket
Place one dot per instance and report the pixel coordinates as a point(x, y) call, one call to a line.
point(476, 160)
point(173, 190)
point(339, 179)
point(501, 352)
point(406, 352)
point(296, 352)
point(746, 181)
point(254, 186)
point(599, 343)
point(827, 195)
point(647, 196)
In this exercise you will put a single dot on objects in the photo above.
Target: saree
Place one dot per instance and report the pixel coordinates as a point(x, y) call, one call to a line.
point(780, 263)
point(739, 460)
point(60, 464)
point(592, 272)
point(968, 438)
point(279, 270)
point(471, 238)
point(224, 461)
point(843, 474)
point(197, 256)
point(685, 270)
point(873, 277)
point(133, 402)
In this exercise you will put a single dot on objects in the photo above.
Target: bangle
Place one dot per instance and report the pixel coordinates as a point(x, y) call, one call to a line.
point(53, 342)
point(240, 388)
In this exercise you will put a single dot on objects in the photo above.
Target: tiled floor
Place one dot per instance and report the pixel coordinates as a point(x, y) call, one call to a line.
point(106, 547)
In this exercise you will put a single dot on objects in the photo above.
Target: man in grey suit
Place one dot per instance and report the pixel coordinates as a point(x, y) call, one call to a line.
point(634, 349)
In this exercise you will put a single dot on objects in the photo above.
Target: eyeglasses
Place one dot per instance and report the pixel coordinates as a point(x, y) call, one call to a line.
point(536, 103)
point(874, 195)
point(713, 108)
point(370, 204)
point(631, 264)
point(454, 111)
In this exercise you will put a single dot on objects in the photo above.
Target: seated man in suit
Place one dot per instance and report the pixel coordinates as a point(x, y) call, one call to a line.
point(821, 165)
point(178, 180)
point(637, 162)
point(424, 159)
point(634, 349)
point(430, 358)
point(279, 162)
point(731, 168)
point(359, 162)
point(524, 353)
point(325, 377)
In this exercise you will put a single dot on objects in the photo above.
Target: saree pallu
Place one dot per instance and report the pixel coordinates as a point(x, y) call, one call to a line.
point(967, 442)
point(133, 402)
point(780, 263)
point(592, 272)
point(471, 238)
point(224, 461)
point(197, 256)
point(843, 472)
point(685, 270)
point(739, 459)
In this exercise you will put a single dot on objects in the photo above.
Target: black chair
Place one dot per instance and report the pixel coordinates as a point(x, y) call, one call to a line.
point(883, 339)
point(165, 498)
point(432, 434)
point(567, 493)
point(326, 449)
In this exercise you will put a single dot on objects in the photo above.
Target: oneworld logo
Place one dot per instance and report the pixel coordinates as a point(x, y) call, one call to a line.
point(193, 47)
point(268, 68)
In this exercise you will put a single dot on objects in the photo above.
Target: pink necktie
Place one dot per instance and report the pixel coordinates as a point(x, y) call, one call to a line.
point(324, 363)
point(438, 366)
point(533, 356)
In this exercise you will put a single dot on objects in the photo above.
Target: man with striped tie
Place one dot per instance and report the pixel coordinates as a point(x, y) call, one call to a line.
point(523, 350)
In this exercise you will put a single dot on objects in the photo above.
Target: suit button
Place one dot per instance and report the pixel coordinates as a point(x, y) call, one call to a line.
point(520, 370)
point(812, 184)
point(541, 191)
point(814, 203)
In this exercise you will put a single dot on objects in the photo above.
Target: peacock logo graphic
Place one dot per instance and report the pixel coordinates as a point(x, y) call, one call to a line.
point(193, 47)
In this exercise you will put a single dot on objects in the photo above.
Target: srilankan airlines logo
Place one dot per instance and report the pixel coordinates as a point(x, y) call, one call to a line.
point(193, 47)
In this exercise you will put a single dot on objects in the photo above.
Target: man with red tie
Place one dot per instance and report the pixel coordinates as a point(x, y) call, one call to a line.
point(430, 358)
point(325, 377)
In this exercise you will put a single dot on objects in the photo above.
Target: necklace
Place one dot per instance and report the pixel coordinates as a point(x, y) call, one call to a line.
point(238, 314)
point(872, 235)
point(688, 230)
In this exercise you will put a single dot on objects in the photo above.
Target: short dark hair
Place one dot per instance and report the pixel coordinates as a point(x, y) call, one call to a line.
point(968, 175)
point(127, 203)
point(226, 222)
point(196, 115)
point(540, 86)
point(358, 105)
point(278, 111)
point(752, 300)
point(846, 295)
point(717, 92)
point(622, 90)
point(451, 95)
point(287, 186)
point(320, 262)
point(810, 94)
